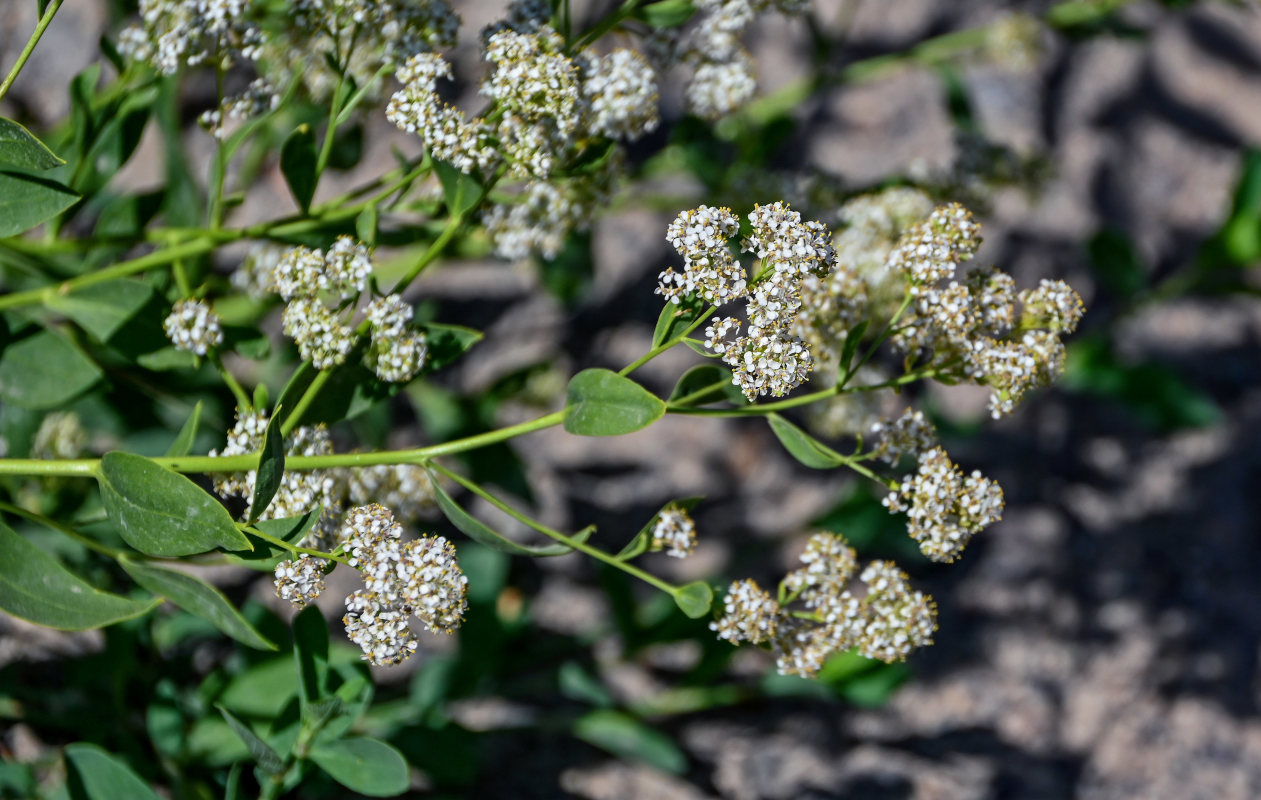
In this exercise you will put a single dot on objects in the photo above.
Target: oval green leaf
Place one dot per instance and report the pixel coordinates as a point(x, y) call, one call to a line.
point(162, 513)
point(364, 765)
point(602, 403)
point(198, 598)
point(104, 777)
point(802, 446)
point(45, 371)
point(695, 599)
point(103, 308)
point(26, 201)
point(19, 148)
point(479, 532)
point(271, 467)
point(34, 587)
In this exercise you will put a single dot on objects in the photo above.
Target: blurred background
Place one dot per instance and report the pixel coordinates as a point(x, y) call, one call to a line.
point(1101, 642)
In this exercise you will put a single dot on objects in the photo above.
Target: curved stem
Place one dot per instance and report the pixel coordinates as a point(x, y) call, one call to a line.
point(238, 391)
point(40, 27)
point(293, 548)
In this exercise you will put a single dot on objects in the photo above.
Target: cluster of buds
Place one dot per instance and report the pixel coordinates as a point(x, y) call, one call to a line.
point(419, 578)
point(674, 532)
point(300, 581)
point(766, 357)
point(193, 327)
point(177, 33)
point(398, 352)
point(303, 276)
point(909, 435)
point(970, 328)
point(258, 98)
point(944, 507)
point(886, 621)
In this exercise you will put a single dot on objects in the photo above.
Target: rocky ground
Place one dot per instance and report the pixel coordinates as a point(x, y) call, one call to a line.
point(1101, 642)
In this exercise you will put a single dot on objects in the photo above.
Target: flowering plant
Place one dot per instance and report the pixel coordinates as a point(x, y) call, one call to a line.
point(140, 305)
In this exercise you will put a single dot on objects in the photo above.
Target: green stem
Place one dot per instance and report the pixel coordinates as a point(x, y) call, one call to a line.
point(40, 27)
point(605, 25)
point(666, 345)
point(304, 402)
point(881, 339)
point(292, 548)
point(759, 408)
point(582, 547)
point(242, 397)
point(220, 166)
point(86, 541)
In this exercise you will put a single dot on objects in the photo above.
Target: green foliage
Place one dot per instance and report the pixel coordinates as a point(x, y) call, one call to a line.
point(162, 513)
point(364, 765)
point(802, 446)
point(627, 737)
point(34, 587)
point(20, 149)
point(26, 201)
point(96, 775)
point(298, 164)
point(197, 597)
point(45, 370)
point(600, 402)
point(271, 467)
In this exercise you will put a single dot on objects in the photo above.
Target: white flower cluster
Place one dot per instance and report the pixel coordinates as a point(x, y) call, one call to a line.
point(886, 622)
point(944, 507)
point(60, 435)
point(908, 435)
point(300, 581)
point(620, 94)
point(300, 276)
point(300, 490)
point(674, 532)
point(257, 99)
point(405, 488)
point(193, 327)
point(175, 33)
point(970, 327)
point(767, 357)
point(420, 578)
point(398, 352)
point(533, 78)
point(416, 108)
point(256, 274)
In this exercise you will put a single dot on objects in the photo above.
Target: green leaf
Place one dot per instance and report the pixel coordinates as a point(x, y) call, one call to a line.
point(602, 403)
point(640, 542)
point(34, 587)
point(802, 446)
point(628, 738)
point(446, 343)
point(103, 308)
point(162, 513)
point(26, 201)
point(462, 192)
point(695, 599)
point(366, 225)
point(271, 467)
point(45, 371)
point(183, 444)
point(482, 534)
point(310, 651)
point(167, 358)
point(711, 377)
point(266, 758)
point(288, 529)
point(297, 163)
point(19, 148)
point(674, 319)
point(198, 598)
point(578, 684)
point(97, 775)
point(853, 338)
point(364, 765)
point(666, 13)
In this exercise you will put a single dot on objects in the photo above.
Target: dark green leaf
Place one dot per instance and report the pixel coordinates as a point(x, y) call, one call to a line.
point(600, 402)
point(310, 651)
point(347, 149)
point(364, 765)
point(706, 383)
point(167, 358)
point(183, 444)
point(271, 467)
point(482, 534)
point(666, 13)
point(103, 308)
point(162, 513)
point(26, 201)
point(446, 343)
point(97, 775)
point(266, 758)
point(34, 587)
point(853, 338)
point(695, 599)
point(626, 737)
point(45, 371)
point(19, 148)
point(298, 159)
point(198, 598)
point(674, 319)
point(462, 192)
point(802, 446)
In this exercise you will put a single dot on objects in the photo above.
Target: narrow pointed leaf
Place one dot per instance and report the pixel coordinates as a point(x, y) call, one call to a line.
point(802, 446)
point(271, 467)
point(162, 513)
point(482, 534)
point(183, 444)
point(266, 758)
point(297, 163)
point(198, 598)
point(34, 587)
